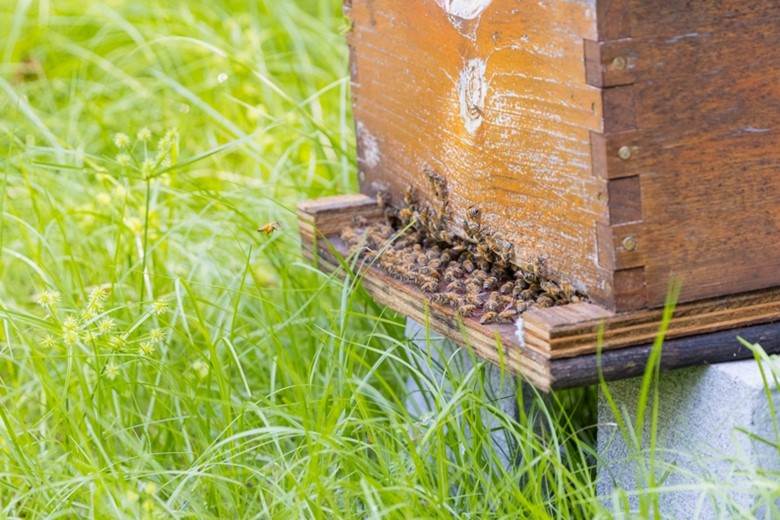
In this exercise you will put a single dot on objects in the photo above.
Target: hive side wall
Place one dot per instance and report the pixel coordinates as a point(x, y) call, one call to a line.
point(491, 95)
point(701, 159)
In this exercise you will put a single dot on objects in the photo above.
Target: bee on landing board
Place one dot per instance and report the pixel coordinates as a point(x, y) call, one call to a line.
point(488, 317)
point(507, 315)
point(269, 228)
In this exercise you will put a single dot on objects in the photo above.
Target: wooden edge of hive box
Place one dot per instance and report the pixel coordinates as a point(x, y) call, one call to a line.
point(556, 347)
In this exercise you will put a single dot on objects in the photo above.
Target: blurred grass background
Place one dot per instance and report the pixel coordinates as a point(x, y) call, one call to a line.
point(160, 358)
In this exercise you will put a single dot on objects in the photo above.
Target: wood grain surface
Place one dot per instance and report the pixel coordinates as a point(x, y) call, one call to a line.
point(499, 106)
point(704, 150)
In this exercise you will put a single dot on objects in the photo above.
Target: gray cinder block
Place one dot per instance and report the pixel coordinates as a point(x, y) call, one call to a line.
point(437, 356)
point(715, 431)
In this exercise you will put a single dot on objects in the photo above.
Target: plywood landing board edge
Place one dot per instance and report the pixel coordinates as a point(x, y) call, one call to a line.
point(575, 329)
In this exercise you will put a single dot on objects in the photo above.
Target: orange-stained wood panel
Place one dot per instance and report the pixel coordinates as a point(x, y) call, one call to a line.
point(498, 105)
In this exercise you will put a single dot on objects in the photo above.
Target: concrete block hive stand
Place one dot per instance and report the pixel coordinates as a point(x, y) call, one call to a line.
point(715, 426)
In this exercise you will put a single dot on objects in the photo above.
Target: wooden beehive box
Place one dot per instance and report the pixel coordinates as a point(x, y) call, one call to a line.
point(624, 142)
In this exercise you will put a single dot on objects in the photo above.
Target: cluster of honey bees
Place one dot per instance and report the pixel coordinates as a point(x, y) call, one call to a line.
point(471, 274)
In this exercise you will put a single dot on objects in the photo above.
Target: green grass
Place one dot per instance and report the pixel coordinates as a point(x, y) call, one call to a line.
point(158, 356)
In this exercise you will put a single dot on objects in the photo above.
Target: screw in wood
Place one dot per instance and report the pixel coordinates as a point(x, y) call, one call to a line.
point(619, 63)
point(629, 243)
point(624, 153)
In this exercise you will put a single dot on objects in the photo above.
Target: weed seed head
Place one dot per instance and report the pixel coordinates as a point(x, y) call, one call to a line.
point(48, 298)
point(144, 134)
point(160, 306)
point(70, 337)
point(111, 371)
point(156, 335)
point(123, 159)
point(146, 349)
point(106, 325)
point(48, 342)
point(121, 140)
point(116, 343)
point(147, 168)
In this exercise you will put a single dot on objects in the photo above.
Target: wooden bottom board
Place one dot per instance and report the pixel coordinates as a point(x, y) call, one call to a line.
point(557, 347)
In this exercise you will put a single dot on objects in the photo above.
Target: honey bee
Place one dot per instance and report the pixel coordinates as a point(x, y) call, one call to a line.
point(471, 227)
point(479, 275)
point(456, 285)
point(467, 309)
point(468, 266)
point(269, 228)
point(492, 303)
point(417, 278)
point(447, 298)
point(483, 250)
point(530, 293)
point(567, 289)
point(488, 317)
point(458, 249)
point(445, 257)
point(501, 266)
point(489, 283)
point(545, 300)
point(534, 269)
point(551, 288)
point(405, 214)
point(474, 213)
point(433, 252)
point(473, 286)
point(474, 299)
point(521, 306)
point(507, 315)
point(452, 273)
point(437, 182)
point(446, 237)
point(506, 288)
point(530, 277)
point(432, 273)
point(504, 249)
point(348, 234)
point(410, 198)
point(430, 285)
point(382, 198)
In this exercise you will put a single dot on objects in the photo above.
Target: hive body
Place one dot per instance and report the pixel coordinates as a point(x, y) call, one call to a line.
point(622, 142)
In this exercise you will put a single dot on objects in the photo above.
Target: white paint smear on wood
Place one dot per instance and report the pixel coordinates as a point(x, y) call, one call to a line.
point(369, 149)
point(472, 88)
point(520, 332)
point(466, 9)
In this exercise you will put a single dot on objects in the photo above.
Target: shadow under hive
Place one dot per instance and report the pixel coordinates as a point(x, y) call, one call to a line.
point(590, 150)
